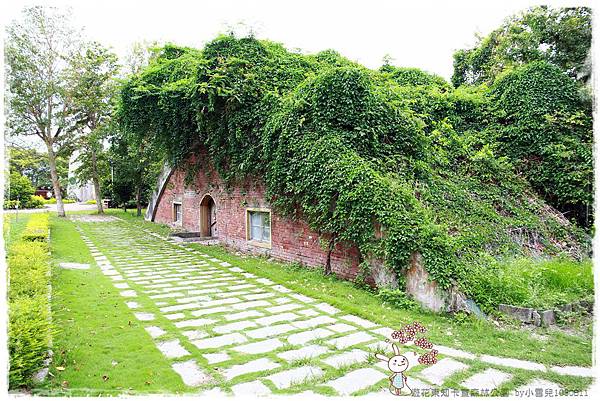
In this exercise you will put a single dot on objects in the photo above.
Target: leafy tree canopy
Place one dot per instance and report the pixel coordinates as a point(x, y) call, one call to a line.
point(559, 36)
point(34, 165)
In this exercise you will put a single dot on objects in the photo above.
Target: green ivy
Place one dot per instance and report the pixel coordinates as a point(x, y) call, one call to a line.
point(346, 149)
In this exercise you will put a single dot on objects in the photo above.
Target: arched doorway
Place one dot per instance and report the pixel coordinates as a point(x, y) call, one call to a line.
point(208, 216)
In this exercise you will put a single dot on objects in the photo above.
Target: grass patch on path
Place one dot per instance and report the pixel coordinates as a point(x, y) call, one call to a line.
point(100, 345)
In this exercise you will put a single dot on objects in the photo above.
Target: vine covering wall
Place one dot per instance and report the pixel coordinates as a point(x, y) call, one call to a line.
point(393, 161)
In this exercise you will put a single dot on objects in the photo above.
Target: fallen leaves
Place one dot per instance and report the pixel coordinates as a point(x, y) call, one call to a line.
point(60, 368)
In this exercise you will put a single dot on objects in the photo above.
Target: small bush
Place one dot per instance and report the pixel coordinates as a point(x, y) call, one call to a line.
point(29, 334)
point(11, 204)
point(397, 299)
point(35, 202)
point(90, 202)
point(19, 187)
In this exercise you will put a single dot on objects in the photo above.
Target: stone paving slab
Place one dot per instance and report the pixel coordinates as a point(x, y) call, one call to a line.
point(257, 365)
point(347, 358)
point(287, 378)
point(446, 367)
point(489, 379)
point(74, 266)
point(172, 349)
point(350, 340)
point(217, 357)
point(513, 363)
point(309, 351)
point(356, 380)
point(190, 373)
point(250, 388)
point(155, 331)
point(260, 347)
point(219, 341)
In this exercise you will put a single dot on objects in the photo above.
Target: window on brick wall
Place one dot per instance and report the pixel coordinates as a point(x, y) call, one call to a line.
point(177, 212)
point(259, 226)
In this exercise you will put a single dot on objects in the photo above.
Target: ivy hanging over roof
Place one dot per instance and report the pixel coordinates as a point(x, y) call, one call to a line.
point(393, 161)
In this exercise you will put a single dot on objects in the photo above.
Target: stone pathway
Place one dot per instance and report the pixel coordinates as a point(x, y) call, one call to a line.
point(229, 331)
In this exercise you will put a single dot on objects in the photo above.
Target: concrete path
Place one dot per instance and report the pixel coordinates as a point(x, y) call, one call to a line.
point(228, 331)
point(69, 207)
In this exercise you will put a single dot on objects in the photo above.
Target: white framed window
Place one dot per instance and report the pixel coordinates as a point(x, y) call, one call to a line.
point(177, 212)
point(258, 226)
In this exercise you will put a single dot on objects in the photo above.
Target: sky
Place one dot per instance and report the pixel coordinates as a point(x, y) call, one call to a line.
point(421, 34)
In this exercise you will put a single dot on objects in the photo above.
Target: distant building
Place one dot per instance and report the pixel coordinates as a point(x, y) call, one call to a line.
point(44, 192)
point(75, 190)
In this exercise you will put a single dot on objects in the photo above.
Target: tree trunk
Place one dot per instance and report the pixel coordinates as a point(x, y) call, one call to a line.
point(60, 207)
point(138, 199)
point(96, 181)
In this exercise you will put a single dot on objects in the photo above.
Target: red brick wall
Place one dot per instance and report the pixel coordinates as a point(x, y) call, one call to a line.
point(290, 240)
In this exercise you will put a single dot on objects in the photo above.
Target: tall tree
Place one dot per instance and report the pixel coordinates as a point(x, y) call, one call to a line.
point(561, 36)
point(136, 161)
point(38, 50)
point(92, 85)
point(34, 165)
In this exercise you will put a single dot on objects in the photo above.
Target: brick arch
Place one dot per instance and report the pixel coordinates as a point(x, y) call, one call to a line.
point(208, 208)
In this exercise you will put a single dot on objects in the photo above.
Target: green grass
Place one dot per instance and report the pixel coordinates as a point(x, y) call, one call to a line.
point(97, 329)
point(531, 283)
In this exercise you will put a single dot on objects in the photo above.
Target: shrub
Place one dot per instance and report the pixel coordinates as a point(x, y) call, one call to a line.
point(396, 298)
point(19, 188)
point(346, 149)
point(11, 204)
point(28, 338)
point(29, 328)
point(90, 202)
point(35, 202)
point(52, 201)
point(27, 262)
point(546, 130)
point(37, 228)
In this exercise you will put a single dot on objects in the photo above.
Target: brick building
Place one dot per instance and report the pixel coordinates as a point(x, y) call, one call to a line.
point(241, 217)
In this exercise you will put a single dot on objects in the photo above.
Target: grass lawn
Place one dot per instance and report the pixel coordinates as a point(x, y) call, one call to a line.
point(99, 343)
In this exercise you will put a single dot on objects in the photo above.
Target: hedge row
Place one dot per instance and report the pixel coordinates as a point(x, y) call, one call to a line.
point(29, 328)
point(34, 202)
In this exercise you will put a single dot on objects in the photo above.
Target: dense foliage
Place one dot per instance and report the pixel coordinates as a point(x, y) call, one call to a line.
point(545, 127)
point(29, 328)
point(34, 165)
point(560, 36)
point(391, 161)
